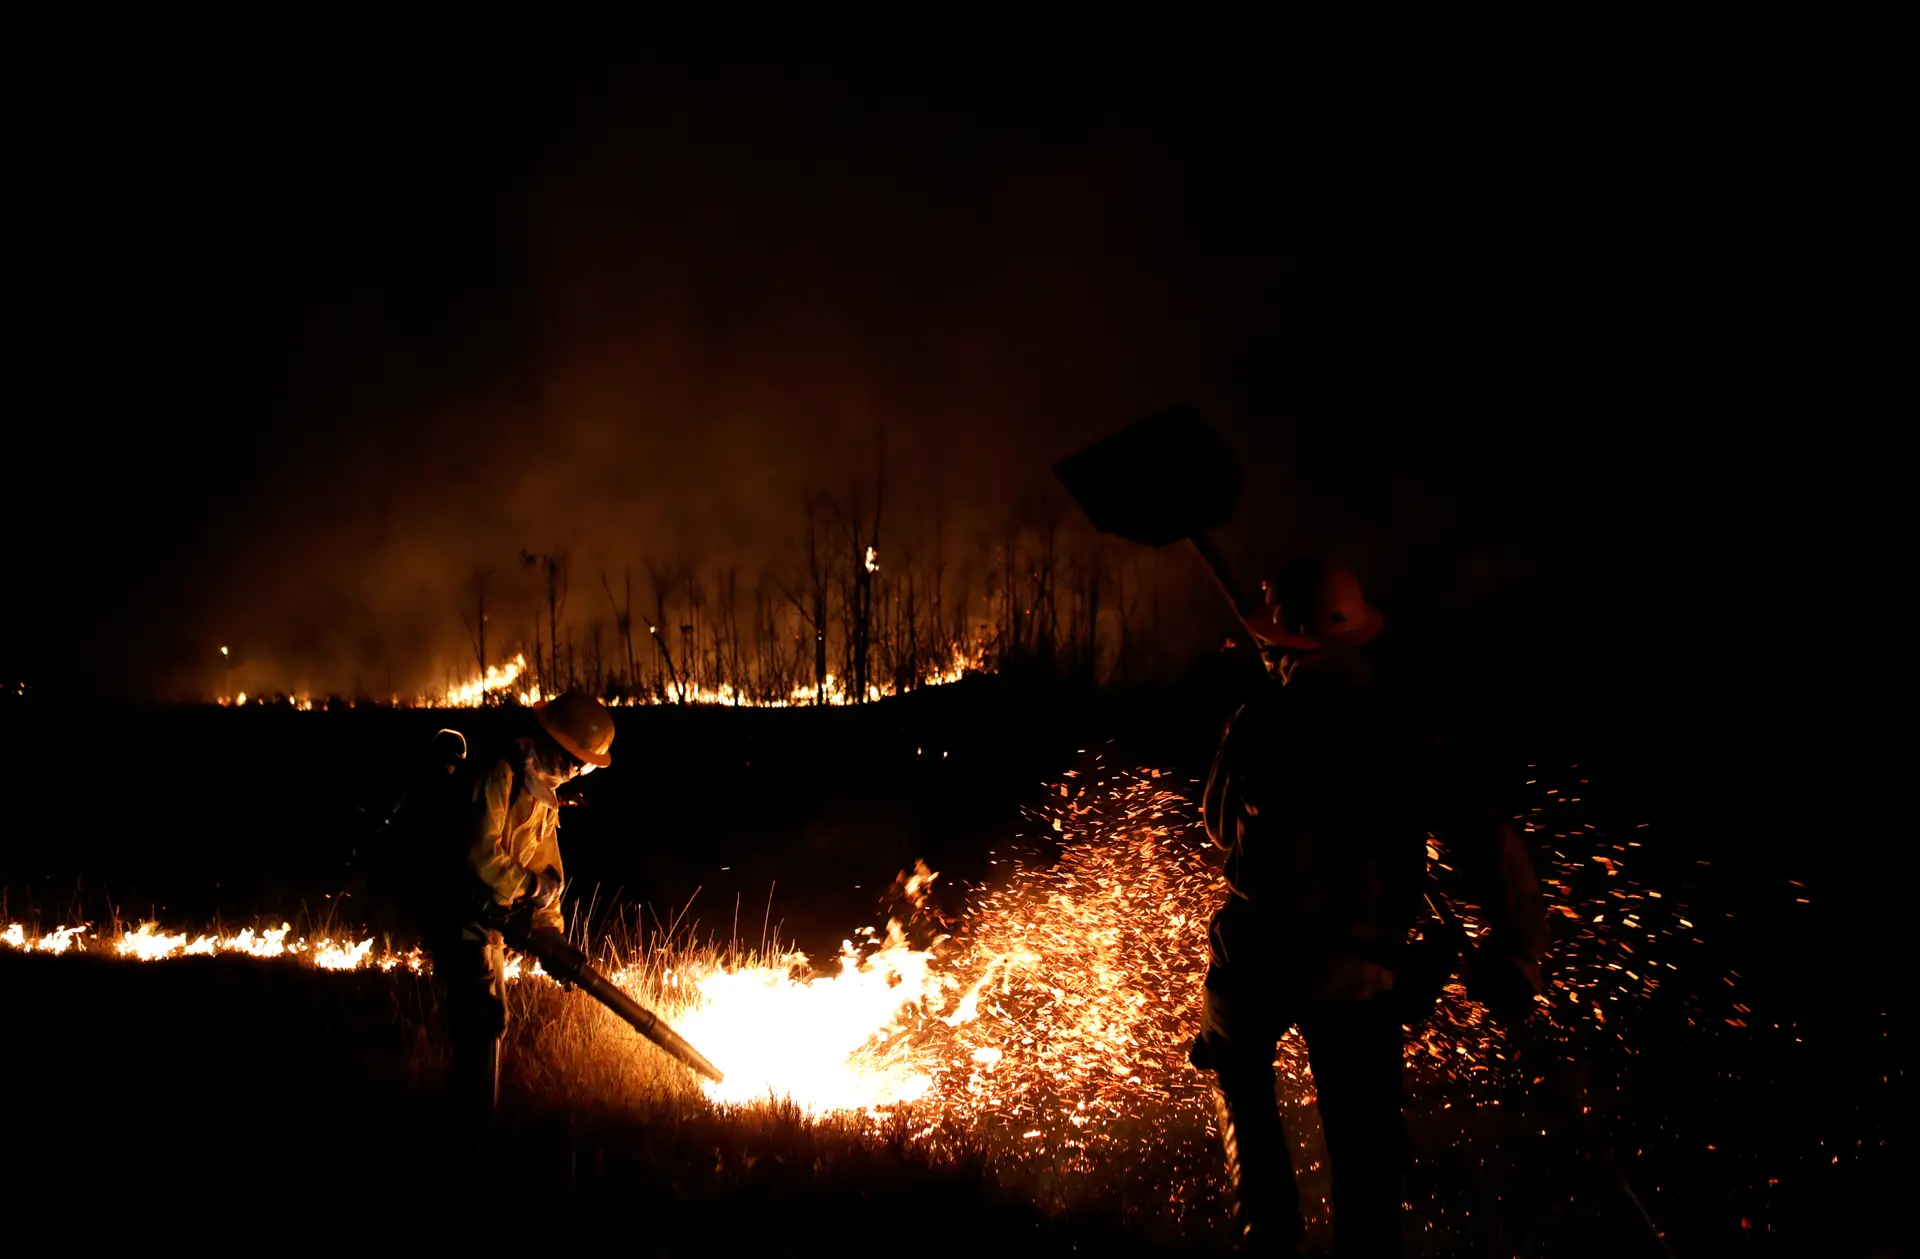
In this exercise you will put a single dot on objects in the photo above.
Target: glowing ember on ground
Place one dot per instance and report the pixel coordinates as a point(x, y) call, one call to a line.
point(1063, 1002)
point(1069, 993)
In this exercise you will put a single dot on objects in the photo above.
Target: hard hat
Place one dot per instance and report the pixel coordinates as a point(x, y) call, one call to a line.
point(1320, 605)
point(579, 723)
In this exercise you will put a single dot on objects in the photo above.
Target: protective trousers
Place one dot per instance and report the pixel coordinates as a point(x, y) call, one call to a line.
point(470, 965)
point(1355, 1050)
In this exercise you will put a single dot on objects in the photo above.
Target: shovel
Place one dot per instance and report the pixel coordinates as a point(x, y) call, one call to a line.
point(1167, 479)
point(566, 963)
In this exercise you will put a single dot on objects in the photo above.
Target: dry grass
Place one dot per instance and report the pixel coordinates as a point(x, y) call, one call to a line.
point(291, 1094)
point(215, 1093)
point(568, 1055)
point(235, 1102)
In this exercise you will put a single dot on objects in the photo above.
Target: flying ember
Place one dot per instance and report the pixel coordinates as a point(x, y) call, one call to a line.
point(1062, 1002)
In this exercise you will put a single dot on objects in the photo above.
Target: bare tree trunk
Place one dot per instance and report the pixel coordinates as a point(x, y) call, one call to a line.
point(957, 631)
point(1010, 597)
point(477, 627)
point(767, 653)
point(817, 568)
point(911, 628)
point(657, 631)
point(866, 562)
point(763, 668)
point(860, 612)
point(623, 623)
point(813, 610)
point(872, 566)
point(554, 565)
point(850, 613)
point(626, 626)
point(936, 644)
point(690, 655)
point(539, 661)
point(730, 596)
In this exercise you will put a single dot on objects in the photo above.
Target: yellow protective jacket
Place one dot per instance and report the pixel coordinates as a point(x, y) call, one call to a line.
point(515, 835)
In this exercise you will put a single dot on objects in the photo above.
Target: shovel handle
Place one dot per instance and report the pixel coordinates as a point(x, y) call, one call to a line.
point(1217, 565)
point(570, 964)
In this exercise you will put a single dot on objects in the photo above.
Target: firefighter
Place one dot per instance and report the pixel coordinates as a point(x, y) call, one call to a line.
point(499, 823)
point(1323, 794)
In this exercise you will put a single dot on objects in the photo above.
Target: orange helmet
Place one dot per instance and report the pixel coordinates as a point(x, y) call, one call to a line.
point(579, 723)
point(1270, 629)
point(1319, 605)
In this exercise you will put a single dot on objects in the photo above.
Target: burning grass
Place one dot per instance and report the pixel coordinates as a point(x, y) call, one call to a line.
point(1036, 1042)
point(511, 682)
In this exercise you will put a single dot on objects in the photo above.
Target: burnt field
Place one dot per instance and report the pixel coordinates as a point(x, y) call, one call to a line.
point(1748, 1103)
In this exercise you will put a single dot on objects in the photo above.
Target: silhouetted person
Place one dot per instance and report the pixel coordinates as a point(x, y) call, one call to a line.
point(478, 836)
point(1323, 794)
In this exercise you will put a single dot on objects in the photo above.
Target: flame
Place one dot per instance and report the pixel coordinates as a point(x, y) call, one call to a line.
point(1062, 1004)
point(835, 692)
point(1069, 993)
point(56, 942)
point(147, 946)
point(873, 560)
point(496, 678)
point(148, 943)
point(837, 1046)
point(506, 681)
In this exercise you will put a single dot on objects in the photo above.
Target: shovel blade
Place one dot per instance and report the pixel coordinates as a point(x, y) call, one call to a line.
point(1166, 478)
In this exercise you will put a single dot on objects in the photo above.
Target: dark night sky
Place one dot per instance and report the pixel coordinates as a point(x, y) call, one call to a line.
point(323, 330)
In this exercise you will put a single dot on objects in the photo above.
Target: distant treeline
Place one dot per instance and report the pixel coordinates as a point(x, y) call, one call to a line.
point(852, 613)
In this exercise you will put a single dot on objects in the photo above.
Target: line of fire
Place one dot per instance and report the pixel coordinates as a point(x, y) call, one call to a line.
point(835, 626)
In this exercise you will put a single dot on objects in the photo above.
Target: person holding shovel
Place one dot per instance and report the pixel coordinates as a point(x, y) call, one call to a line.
point(1323, 794)
point(478, 839)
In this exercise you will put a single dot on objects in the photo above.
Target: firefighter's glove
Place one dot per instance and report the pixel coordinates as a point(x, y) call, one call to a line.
point(544, 888)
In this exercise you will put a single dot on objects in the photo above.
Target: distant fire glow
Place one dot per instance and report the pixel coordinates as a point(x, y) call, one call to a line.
point(499, 679)
point(511, 682)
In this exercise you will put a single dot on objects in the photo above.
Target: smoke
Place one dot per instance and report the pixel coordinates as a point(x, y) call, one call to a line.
point(637, 316)
point(730, 292)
